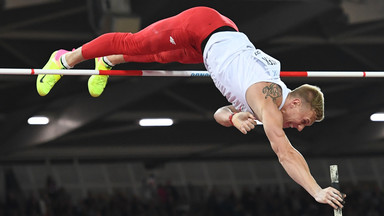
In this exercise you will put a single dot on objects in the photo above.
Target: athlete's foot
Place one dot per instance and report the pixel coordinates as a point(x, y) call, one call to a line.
point(45, 82)
point(97, 83)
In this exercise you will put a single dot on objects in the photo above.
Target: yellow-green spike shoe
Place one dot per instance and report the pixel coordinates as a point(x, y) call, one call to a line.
point(97, 83)
point(45, 82)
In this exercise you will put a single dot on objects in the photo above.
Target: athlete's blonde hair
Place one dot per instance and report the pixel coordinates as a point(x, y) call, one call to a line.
point(313, 96)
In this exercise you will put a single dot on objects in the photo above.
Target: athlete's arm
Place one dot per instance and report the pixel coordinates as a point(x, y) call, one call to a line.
point(291, 160)
point(243, 121)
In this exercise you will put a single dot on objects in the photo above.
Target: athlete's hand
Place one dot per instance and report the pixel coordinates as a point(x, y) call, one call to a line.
point(244, 121)
point(330, 196)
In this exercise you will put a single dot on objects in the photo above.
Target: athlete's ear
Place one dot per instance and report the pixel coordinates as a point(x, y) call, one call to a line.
point(296, 102)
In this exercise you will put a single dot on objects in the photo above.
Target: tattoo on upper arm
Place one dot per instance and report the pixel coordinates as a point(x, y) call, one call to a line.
point(273, 90)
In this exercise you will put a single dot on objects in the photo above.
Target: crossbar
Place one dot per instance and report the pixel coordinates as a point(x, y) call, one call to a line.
point(185, 73)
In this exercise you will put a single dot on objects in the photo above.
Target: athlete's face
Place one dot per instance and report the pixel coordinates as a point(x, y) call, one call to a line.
point(298, 115)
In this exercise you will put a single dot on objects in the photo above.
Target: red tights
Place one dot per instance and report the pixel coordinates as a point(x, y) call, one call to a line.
point(175, 39)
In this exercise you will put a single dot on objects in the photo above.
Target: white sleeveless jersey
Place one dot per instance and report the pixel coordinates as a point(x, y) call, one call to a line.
point(235, 64)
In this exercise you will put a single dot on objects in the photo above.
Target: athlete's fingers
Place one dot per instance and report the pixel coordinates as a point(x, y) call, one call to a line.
point(251, 116)
point(252, 123)
point(335, 197)
point(340, 197)
point(332, 204)
point(246, 127)
point(336, 202)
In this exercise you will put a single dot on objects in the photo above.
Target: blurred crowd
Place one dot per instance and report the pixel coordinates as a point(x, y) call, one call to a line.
point(166, 200)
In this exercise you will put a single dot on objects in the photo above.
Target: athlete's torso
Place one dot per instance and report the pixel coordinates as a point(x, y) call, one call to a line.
point(235, 64)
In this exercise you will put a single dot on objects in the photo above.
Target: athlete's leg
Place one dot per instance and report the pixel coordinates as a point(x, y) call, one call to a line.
point(173, 39)
point(161, 36)
point(74, 57)
point(115, 59)
point(184, 31)
point(179, 55)
point(153, 39)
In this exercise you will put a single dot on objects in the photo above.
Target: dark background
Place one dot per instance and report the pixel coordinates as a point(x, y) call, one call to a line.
point(95, 146)
point(304, 35)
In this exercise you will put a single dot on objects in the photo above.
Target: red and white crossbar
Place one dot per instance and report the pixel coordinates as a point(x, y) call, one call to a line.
point(329, 74)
